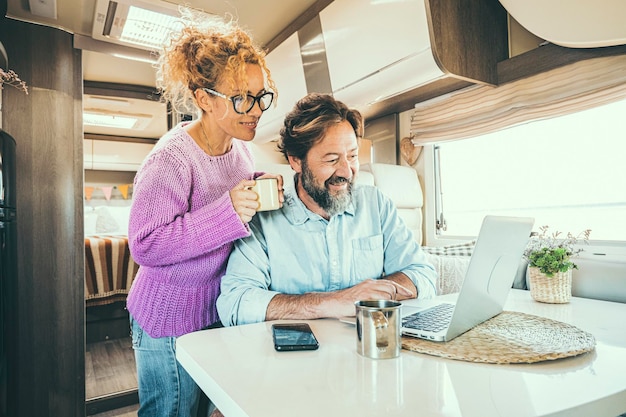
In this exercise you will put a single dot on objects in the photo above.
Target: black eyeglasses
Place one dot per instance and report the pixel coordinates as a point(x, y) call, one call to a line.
point(243, 104)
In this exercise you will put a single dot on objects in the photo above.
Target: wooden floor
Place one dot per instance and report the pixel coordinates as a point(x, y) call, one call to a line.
point(109, 368)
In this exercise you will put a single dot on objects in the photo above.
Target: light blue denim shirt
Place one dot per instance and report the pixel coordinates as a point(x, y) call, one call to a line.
point(295, 251)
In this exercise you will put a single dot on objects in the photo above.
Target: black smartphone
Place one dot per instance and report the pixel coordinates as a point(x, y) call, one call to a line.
point(293, 336)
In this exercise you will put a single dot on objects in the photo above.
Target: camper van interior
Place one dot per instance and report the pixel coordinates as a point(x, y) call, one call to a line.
point(472, 108)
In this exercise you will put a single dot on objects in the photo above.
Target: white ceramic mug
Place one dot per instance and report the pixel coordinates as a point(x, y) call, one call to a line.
point(267, 192)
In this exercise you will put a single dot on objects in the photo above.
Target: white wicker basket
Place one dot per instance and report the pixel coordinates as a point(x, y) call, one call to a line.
point(555, 289)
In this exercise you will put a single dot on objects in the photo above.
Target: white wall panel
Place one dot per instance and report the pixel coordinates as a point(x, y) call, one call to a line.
point(285, 64)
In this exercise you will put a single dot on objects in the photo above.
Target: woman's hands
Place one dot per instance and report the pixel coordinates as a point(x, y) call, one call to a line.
point(245, 201)
point(281, 186)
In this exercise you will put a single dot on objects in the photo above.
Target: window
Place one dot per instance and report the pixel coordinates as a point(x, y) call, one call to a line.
point(567, 172)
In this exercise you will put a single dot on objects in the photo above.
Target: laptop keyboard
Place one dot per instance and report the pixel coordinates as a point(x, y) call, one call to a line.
point(433, 319)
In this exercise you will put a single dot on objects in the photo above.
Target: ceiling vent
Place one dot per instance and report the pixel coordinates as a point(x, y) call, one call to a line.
point(136, 24)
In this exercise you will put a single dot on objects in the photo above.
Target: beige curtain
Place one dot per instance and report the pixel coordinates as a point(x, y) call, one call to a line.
point(479, 110)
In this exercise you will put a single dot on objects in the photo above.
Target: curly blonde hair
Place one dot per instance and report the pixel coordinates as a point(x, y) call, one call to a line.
point(207, 50)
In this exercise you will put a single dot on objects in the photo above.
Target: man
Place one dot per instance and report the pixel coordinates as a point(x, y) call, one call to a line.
point(332, 243)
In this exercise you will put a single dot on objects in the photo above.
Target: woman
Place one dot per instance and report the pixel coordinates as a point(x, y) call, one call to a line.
point(191, 200)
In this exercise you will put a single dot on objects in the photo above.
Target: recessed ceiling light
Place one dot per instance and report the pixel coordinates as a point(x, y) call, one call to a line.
point(109, 120)
point(116, 120)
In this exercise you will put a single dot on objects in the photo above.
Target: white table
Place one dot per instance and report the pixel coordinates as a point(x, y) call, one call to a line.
point(238, 368)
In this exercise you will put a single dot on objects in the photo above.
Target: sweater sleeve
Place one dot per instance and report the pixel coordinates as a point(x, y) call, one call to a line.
point(164, 228)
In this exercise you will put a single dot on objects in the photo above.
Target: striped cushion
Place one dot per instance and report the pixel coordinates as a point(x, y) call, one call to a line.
point(109, 269)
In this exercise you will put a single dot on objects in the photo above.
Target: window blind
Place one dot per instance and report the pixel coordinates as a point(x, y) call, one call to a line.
point(482, 109)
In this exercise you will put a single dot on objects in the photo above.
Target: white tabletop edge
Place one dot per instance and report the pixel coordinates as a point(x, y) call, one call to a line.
point(259, 384)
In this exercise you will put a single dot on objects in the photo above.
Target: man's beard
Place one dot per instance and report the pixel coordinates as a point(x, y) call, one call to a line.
point(331, 204)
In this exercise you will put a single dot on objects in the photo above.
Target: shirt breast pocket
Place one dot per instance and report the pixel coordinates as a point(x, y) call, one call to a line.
point(367, 258)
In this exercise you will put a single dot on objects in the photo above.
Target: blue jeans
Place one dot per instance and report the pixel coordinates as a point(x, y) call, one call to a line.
point(165, 388)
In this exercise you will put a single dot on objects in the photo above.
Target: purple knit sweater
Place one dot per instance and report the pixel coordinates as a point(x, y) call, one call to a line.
point(181, 231)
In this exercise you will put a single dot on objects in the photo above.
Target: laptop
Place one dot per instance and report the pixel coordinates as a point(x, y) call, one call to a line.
point(489, 277)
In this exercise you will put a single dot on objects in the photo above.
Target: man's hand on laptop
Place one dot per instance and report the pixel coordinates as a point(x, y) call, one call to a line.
point(374, 289)
point(339, 303)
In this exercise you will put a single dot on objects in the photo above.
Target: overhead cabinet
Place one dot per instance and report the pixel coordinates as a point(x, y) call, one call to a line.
point(384, 50)
point(385, 56)
point(113, 155)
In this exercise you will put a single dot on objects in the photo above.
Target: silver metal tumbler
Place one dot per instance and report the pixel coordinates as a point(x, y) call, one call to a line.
point(378, 328)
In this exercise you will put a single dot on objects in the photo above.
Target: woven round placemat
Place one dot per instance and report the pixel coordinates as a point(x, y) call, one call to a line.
point(510, 337)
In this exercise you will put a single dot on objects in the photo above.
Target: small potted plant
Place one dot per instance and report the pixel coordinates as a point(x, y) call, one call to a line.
point(550, 265)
